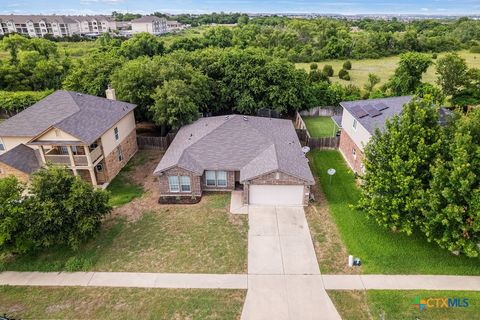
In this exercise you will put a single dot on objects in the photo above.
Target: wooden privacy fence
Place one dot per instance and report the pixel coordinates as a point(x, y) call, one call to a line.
point(155, 143)
point(323, 143)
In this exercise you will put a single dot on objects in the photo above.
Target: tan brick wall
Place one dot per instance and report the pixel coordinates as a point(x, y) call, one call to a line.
point(195, 183)
point(229, 187)
point(346, 148)
point(6, 170)
point(283, 179)
point(129, 148)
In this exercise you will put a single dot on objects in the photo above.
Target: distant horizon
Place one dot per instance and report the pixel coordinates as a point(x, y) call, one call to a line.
point(319, 7)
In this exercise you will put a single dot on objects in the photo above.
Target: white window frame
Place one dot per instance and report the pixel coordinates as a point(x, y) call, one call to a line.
point(185, 182)
point(116, 133)
point(171, 183)
point(120, 153)
point(355, 124)
point(218, 180)
point(214, 178)
point(2, 146)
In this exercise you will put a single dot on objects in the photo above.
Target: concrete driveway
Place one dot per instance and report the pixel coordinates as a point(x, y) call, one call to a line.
point(284, 279)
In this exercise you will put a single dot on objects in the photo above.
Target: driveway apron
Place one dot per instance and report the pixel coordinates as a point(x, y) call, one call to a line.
point(284, 279)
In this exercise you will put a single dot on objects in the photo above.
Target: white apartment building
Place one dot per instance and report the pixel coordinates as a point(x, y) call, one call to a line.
point(150, 24)
point(58, 26)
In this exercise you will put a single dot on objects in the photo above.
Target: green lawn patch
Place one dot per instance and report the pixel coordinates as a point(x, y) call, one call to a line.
point(320, 127)
point(400, 305)
point(122, 188)
point(119, 303)
point(201, 238)
point(380, 250)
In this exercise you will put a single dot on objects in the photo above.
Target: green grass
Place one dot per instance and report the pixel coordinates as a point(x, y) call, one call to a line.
point(201, 238)
point(123, 189)
point(119, 303)
point(320, 127)
point(380, 250)
point(383, 67)
point(399, 305)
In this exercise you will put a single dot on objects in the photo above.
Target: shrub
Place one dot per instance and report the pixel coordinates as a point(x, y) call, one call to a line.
point(343, 74)
point(313, 66)
point(78, 264)
point(12, 102)
point(434, 56)
point(328, 70)
point(347, 65)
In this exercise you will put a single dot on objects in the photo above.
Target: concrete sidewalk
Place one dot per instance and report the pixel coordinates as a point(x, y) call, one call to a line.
point(401, 282)
point(125, 279)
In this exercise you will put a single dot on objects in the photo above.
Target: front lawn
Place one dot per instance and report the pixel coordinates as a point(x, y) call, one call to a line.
point(381, 251)
point(201, 238)
point(400, 305)
point(119, 303)
point(320, 127)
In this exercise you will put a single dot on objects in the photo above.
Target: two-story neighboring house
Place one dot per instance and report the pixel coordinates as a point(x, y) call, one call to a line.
point(360, 119)
point(94, 137)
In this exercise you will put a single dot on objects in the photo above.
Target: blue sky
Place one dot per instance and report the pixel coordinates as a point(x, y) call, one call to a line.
point(202, 6)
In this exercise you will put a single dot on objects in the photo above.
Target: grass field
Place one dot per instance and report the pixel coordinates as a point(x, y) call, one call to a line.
point(380, 250)
point(201, 238)
point(383, 67)
point(320, 127)
point(399, 305)
point(119, 303)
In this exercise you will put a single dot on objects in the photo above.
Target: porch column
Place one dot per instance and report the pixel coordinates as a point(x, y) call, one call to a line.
point(89, 156)
point(42, 154)
point(72, 160)
point(92, 176)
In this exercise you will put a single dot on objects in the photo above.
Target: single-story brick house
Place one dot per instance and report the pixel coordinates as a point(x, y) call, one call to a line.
point(261, 156)
point(360, 119)
point(94, 137)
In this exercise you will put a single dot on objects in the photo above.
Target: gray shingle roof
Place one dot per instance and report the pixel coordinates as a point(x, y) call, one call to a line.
point(394, 106)
point(253, 147)
point(22, 158)
point(388, 107)
point(147, 19)
point(83, 116)
point(19, 19)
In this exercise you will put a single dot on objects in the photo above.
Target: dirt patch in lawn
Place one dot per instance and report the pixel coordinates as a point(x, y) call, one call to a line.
point(330, 250)
point(142, 174)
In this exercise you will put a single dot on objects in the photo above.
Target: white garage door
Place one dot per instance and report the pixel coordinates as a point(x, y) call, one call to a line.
point(276, 195)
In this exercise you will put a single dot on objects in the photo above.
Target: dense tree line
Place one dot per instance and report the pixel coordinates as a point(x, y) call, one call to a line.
point(202, 19)
point(424, 177)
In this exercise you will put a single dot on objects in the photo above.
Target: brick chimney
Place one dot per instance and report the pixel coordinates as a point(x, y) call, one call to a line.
point(110, 93)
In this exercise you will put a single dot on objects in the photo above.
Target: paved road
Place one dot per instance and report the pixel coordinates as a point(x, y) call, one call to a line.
point(284, 279)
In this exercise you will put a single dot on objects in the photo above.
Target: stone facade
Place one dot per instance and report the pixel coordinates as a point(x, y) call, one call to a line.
point(195, 183)
point(6, 170)
point(347, 148)
point(229, 187)
point(277, 178)
point(129, 148)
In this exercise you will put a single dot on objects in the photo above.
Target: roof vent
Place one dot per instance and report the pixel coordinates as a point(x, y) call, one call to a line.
point(226, 117)
point(245, 118)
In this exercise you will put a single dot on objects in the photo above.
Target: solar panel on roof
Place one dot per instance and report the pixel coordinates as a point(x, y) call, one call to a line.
point(372, 112)
point(359, 112)
point(381, 106)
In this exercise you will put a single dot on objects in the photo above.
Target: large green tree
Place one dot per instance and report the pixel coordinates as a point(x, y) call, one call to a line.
point(408, 75)
point(397, 163)
point(451, 211)
point(452, 72)
point(142, 44)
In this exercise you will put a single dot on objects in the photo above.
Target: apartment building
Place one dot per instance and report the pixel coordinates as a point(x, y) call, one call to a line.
point(150, 24)
point(58, 26)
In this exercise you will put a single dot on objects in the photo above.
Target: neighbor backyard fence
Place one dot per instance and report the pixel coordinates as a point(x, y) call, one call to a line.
point(313, 143)
point(155, 143)
point(321, 112)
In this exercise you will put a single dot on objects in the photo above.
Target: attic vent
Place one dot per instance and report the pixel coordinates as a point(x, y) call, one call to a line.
point(226, 117)
point(245, 118)
point(79, 94)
